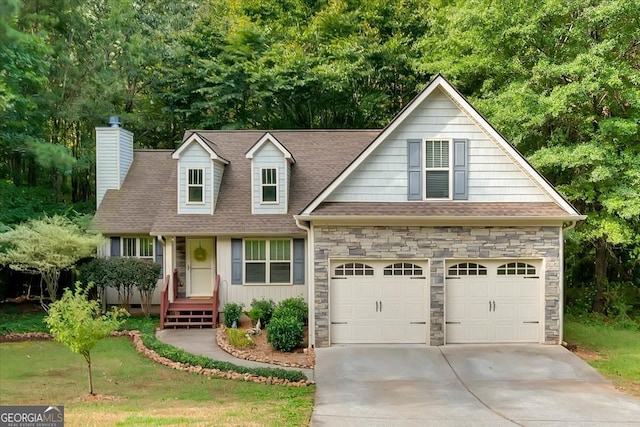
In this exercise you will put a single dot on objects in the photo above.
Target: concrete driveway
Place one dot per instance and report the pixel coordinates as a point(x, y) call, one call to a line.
point(464, 385)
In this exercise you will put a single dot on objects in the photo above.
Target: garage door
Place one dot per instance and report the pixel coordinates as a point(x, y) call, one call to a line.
point(378, 302)
point(489, 301)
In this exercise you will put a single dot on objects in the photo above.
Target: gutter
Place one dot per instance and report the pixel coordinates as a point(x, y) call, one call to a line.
point(310, 283)
point(572, 224)
point(439, 220)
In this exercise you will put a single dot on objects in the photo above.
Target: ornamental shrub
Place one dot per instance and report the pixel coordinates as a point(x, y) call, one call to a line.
point(262, 309)
point(285, 333)
point(232, 311)
point(239, 338)
point(293, 307)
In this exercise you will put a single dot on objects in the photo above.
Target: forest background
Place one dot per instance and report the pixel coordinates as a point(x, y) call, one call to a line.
point(559, 78)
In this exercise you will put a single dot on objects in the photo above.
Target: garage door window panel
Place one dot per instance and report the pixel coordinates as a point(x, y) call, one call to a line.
point(403, 269)
point(353, 269)
point(516, 269)
point(467, 269)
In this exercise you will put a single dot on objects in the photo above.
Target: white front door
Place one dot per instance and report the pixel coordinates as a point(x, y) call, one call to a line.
point(200, 267)
point(492, 302)
point(378, 302)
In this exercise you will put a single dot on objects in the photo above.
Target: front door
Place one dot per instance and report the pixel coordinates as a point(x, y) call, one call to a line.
point(200, 267)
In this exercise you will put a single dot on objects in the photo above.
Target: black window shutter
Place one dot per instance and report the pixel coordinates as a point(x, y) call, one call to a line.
point(159, 255)
point(460, 169)
point(298, 261)
point(236, 261)
point(414, 169)
point(115, 246)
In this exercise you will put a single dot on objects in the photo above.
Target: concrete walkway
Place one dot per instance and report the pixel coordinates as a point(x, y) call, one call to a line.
point(464, 385)
point(203, 342)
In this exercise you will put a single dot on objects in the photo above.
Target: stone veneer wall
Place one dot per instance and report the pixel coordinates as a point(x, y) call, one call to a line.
point(181, 262)
point(437, 244)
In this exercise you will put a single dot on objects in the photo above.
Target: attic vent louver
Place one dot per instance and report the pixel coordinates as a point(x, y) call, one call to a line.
point(114, 121)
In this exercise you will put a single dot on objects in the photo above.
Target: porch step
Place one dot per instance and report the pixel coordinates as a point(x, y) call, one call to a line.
point(189, 307)
point(186, 313)
point(189, 316)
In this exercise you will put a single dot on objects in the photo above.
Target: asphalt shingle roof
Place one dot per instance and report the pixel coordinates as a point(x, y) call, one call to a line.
point(147, 201)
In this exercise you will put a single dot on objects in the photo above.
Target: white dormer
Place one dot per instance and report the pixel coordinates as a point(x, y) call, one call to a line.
point(200, 170)
point(270, 171)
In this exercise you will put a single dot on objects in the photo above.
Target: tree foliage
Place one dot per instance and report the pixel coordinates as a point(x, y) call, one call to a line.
point(46, 247)
point(125, 275)
point(75, 321)
point(562, 81)
point(559, 78)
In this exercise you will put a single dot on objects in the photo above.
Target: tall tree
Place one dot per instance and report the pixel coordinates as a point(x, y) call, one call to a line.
point(562, 80)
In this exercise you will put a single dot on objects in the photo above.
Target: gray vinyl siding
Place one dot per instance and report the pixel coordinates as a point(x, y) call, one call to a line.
point(268, 156)
point(114, 155)
point(126, 154)
point(218, 171)
point(492, 174)
point(195, 157)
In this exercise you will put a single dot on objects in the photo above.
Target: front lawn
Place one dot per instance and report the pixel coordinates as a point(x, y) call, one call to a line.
point(618, 351)
point(133, 390)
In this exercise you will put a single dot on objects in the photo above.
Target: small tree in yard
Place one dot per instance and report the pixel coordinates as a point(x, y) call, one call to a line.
point(46, 247)
point(75, 321)
point(145, 277)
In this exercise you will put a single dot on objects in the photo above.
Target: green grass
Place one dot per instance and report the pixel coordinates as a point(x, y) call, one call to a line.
point(619, 351)
point(136, 391)
point(13, 321)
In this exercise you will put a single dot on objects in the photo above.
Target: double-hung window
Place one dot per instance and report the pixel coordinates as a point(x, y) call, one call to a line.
point(437, 173)
point(138, 247)
point(267, 261)
point(195, 186)
point(269, 185)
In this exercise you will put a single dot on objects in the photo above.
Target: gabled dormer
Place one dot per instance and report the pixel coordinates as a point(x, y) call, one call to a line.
point(270, 174)
point(200, 169)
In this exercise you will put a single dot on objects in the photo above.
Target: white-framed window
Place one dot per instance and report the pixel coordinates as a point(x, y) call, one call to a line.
point(195, 186)
point(138, 247)
point(267, 261)
point(269, 185)
point(437, 169)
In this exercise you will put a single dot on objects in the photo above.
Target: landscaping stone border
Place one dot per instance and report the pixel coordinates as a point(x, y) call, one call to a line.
point(223, 343)
point(136, 338)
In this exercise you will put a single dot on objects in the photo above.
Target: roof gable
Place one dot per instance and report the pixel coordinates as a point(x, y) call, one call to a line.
point(207, 145)
point(460, 102)
point(268, 137)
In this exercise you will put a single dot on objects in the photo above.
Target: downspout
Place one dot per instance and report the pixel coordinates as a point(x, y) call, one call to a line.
point(310, 282)
point(568, 227)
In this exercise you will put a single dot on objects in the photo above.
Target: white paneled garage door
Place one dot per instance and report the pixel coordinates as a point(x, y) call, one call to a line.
point(493, 301)
point(378, 302)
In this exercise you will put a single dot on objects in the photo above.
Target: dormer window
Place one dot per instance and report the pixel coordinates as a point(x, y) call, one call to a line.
point(270, 185)
point(195, 186)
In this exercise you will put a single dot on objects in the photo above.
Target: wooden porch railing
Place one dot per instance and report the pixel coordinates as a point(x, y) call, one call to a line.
point(164, 300)
point(176, 282)
point(216, 300)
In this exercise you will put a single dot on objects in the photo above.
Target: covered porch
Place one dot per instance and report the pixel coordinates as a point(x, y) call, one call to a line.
point(189, 296)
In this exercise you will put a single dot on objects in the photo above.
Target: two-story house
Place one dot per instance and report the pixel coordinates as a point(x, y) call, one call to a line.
point(432, 230)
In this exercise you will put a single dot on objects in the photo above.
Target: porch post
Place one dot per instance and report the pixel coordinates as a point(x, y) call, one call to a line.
point(168, 264)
